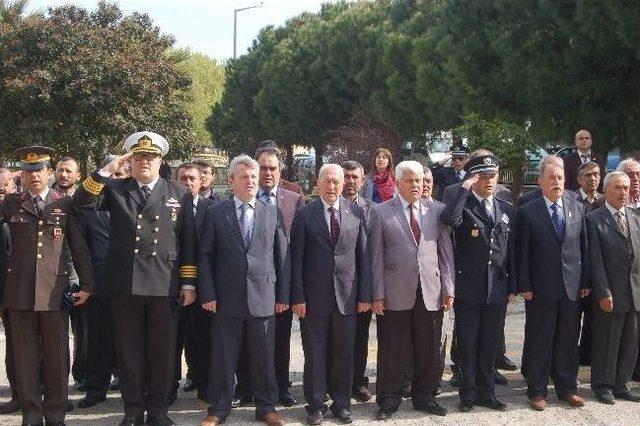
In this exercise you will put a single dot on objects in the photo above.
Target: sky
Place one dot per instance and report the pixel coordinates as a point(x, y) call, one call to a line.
point(206, 26)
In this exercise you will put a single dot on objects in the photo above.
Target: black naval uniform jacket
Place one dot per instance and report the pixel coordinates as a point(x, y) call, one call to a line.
point(37, 274)
point(484, 250)
point(152, 246)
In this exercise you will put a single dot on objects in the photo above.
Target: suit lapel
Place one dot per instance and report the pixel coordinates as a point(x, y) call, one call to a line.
point(158, 193)
point(134, 191)
point(634, 230)
point(230, 212)
point(541, 208)
point(28, 205)
point(201, 207)
point(346, 218)
point(399, 211)
point(259, 212)
point(610, 220)
point(322, 222)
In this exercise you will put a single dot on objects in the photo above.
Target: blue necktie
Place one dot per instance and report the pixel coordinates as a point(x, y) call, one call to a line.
point(558, 221)
point(266, 197)
point(245, 225)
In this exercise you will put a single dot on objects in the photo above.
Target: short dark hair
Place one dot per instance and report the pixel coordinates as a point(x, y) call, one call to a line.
point(189, 166)
point(585, 166)
point(203, 164)
point(269, 149)
point(66, 159)
point(352, 165)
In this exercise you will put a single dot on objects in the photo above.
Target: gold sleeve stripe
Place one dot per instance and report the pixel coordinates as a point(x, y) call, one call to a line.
point(189, 271)
point(92, 186)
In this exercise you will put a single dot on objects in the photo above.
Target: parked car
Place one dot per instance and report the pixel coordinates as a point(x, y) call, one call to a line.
point(614, 157)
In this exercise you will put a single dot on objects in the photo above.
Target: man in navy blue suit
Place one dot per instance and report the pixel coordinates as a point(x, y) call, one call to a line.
point(553, 263)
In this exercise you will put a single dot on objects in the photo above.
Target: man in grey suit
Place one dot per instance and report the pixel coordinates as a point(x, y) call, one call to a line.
point(288, 202)
point(329, 285)
point(614, 245)
point(552, 262)
point(353, 182)
point(244, 280)
point(412, 279)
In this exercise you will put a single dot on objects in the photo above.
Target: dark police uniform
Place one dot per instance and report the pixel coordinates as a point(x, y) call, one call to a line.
point(151, 255)
point(36, 279)
point(484, 258)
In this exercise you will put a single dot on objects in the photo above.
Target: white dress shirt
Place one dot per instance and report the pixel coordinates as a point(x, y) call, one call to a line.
point(327, 215)
point(490, 199)
point(417, 210)
point(273, 192)
point(549, 203)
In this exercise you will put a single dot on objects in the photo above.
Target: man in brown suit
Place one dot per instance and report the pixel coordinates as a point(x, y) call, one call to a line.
point(41, 225)
point(584, 154)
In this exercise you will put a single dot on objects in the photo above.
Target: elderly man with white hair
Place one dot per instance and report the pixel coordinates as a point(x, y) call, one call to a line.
point(412, 279)
point(614, 249)
point(631, 168)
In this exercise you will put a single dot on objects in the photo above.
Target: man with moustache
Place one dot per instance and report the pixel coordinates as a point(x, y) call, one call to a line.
point(412, 276)
point(353, 182)
point(485, 280)
point(614, 241)
point(329, 286)
point(101, 349)
point(42, 223)
point(245, 274)
point(152, 271)
point(553, 275)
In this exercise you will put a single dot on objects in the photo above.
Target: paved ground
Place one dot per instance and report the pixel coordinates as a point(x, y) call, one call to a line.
point(188, 411)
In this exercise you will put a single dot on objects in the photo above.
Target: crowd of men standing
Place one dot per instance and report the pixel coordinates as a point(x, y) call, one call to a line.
point(145, 268)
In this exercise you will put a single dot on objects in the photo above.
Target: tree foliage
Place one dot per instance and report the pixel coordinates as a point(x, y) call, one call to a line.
point(80, 81)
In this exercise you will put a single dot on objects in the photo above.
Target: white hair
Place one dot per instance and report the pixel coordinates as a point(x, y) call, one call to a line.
point(409, 166)
point(326, 167)
point(613, 175)
point(242, 159)
point(627, 164)
point(550, 160)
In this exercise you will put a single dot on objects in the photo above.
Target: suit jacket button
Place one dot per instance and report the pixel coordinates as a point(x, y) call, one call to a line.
point(39, 243)
point(489, 263)
point(157, 217)
point(137, 238)
point(39, 256)
point(40, 233)
point(155, 241)
point(153, 254)
point(40, 223)
point(139, 227)
point(156, 229)
point(135, 251)
point(139, 216)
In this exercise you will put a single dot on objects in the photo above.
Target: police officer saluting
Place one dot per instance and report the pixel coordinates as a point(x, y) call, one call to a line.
point(151, 264)
point(484, 257)
point(41, 225)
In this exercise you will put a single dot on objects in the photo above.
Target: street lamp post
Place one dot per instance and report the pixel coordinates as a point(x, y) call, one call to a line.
point(235, 23)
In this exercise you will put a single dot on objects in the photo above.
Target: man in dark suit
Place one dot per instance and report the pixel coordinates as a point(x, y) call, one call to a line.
point(288, 202)
point(152, 271)
point(447, 176)
point(484, 228)
point(194, 324)
point(329, 286)
point(207, 179)
point(412, 282)
point(245, 274)
point(587, 194)
point(528, 196)
point(553, 263)
point(101, 351)
point(614, 248)
point(584, 154)
point(42, 225)
point(353, 182)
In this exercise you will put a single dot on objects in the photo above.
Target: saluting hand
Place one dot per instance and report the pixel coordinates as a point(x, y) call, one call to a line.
point(300, 309)
point(472, 179)
point(187, 297)
point(210, 306)
point(117, 163)
point(606, 304)
point(82, 297)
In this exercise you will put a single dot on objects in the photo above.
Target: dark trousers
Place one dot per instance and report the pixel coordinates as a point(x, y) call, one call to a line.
point(145, 329)
point(361, 349)
point(501, 350)
point(585, 318)
point(9, 362)
point(615, 348)
point(41, 336)
point(79, 328)
point(227, 333)
point(399, 332)
point(200, 340)
point(328, 341)
point(478, 326)
point(551, 346)
point(282, 356)
point(101, 348)
point(185, 341)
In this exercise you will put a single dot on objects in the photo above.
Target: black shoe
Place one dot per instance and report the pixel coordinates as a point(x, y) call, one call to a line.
point(68, 407)
point(160, 421)
point(500, 379)
point(189, 386)
point(465, 406)
point(504, 363)
point(11, 406)
point(492, 404)
point(90, 401)
point(343, 415)
point(286, 400)
point(80, 385)
point(605, 396)
point(384, 413)
point(173, 397)
point(432, 407)
point(361, 394)
point(315, 417)
point(115, 384)
point(455, 379)
point(202, 394)
point(627, 395)
point(406, 392)
point(132, 421)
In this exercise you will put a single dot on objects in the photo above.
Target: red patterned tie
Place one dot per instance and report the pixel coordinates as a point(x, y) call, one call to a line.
point(335, 226)
point(415, 228)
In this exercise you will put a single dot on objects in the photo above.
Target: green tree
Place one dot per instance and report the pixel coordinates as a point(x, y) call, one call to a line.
point(80, 81)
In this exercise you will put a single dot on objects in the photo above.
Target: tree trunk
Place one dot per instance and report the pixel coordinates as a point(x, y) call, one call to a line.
point(517, 184)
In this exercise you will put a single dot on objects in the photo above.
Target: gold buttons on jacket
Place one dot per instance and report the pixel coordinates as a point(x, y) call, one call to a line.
point(135, 251)
point(139, 227)
point(157, 217)
point(40, 223)
point(137, 238)
point(139, 216)
point(156, 229)
point(40, 233)
point(39, 256)
point(39, 243)
point(155, 242)
point(153, 254)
